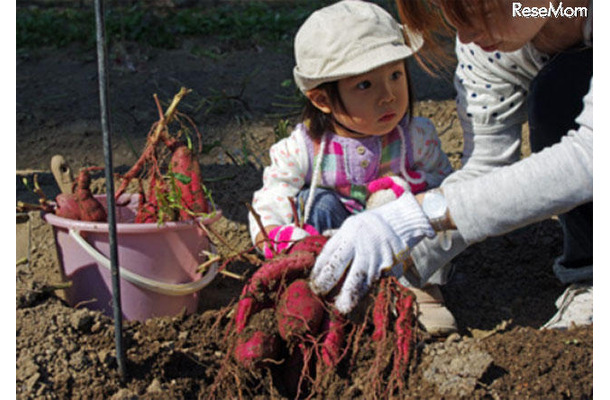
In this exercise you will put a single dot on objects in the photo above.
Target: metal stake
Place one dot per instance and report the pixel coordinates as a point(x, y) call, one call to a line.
point(105, 120)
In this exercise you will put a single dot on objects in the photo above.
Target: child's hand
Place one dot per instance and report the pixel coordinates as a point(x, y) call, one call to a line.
point(384, 190)
point(284, 236)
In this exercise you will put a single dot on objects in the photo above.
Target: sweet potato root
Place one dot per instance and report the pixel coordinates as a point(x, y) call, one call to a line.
point(147, 207)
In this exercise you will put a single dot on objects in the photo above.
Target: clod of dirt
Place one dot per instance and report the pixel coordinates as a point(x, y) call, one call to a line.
point(455, 370)
point(82, 320)
point(124, 394)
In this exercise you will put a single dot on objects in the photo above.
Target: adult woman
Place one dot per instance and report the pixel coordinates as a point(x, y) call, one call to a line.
point(510, 69)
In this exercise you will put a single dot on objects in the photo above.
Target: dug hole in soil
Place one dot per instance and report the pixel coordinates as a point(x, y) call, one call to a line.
point(501, 292)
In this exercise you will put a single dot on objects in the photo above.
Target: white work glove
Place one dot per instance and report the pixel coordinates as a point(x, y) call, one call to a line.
point(369, 243)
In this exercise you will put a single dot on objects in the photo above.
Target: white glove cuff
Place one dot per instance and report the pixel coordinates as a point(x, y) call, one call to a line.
point(406, 218)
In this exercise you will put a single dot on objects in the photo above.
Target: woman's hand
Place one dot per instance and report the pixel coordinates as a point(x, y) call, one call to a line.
point(366, 245)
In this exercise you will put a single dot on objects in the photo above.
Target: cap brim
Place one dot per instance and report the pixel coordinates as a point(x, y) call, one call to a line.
point(364, 63)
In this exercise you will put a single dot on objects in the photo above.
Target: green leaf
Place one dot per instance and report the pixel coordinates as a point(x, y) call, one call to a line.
point(184, 179)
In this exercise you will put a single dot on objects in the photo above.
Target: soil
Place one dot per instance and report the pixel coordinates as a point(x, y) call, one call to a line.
point(501, 292)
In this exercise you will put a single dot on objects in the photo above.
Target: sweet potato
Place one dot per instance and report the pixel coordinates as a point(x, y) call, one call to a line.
point(299, 311)
point(267, 279)
point(89, 207)
point(80, 205)
point(311, 244)
point(147, 207)
point(334, 337)
point(252, 351)
point(259, 343)
point(381, 317)
point(67, 206)
point(146, 214)
point(404, 331)
point(246, 306)
point(176, 190)
point(193, 198)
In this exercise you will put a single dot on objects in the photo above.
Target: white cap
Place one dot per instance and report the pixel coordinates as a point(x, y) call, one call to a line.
point(348, 38)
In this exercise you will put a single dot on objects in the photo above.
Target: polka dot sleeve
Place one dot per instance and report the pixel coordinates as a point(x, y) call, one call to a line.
point(492, 86)
point(492, 89)
point(282, 179)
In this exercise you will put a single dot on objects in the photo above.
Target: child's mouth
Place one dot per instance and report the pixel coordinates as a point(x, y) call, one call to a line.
point(387, 117)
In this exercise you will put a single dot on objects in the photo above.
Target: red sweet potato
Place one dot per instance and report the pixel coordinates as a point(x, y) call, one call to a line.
point(147, 207)
point(299, 311)
point(89, 207)
point(252, 351)
point(259, 342)
point(404, 331)
point(311, 244)
point(67, 206)
point(193, 197)
point(281, 268)
point(246, 306)
point(147, 214)
point(267, 279)
point(80, 205)
point(381, 317)
point(332, 344)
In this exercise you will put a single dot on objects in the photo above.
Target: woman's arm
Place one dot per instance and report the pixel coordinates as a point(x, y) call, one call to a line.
point(491, 99)
point(547, 183)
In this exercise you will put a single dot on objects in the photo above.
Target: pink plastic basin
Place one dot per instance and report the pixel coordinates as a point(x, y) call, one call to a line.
point(158, 264)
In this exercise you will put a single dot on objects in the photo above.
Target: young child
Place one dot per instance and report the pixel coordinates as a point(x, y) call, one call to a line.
point(358, 137)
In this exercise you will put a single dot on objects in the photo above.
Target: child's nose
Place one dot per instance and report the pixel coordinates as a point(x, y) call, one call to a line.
point(387, 94)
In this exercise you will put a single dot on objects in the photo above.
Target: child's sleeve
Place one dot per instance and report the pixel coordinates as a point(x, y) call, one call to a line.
point(282, 179)
point(428, 157)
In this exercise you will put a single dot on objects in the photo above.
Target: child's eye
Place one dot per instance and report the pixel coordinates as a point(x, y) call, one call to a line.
point(363, 85)
point(396, 75)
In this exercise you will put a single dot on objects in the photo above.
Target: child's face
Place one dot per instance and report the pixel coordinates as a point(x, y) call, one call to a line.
point(374, 102)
